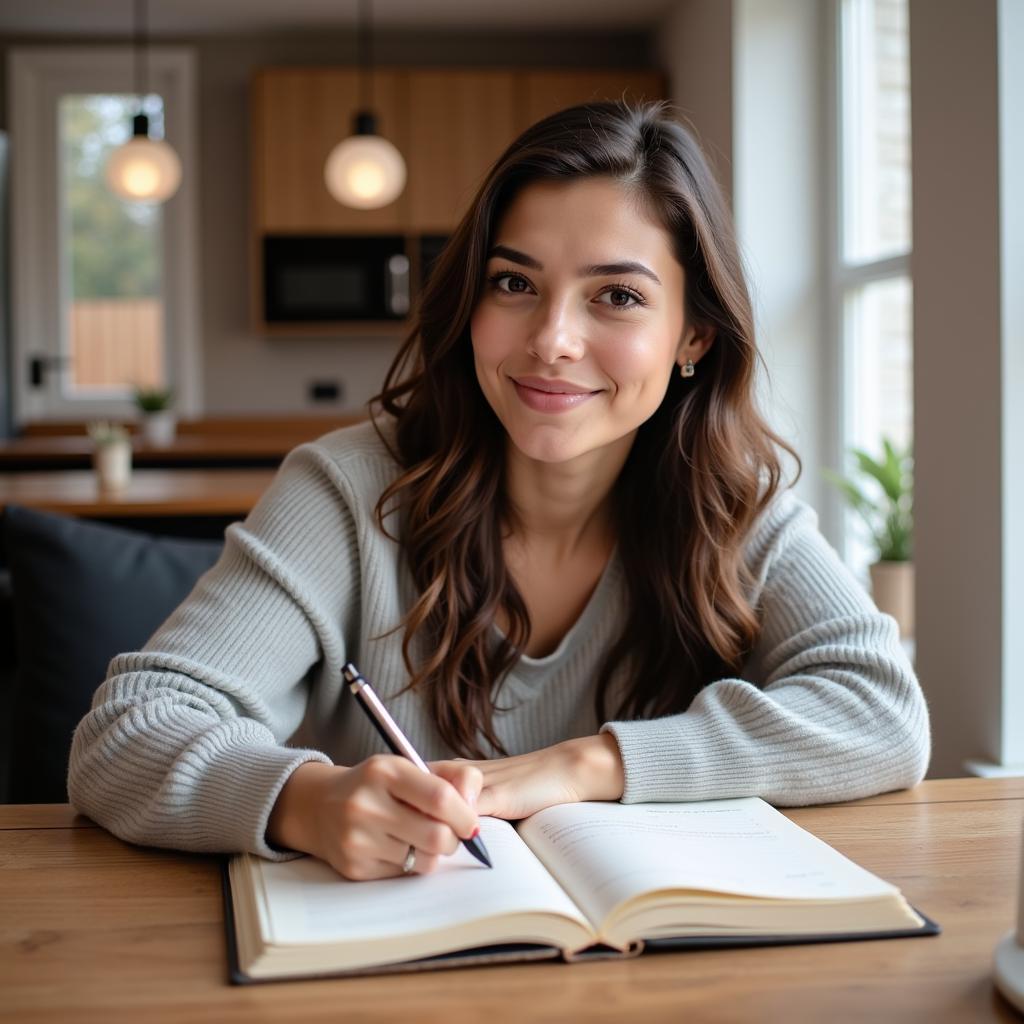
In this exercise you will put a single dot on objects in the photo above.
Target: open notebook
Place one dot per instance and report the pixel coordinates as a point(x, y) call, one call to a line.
point(572, 881)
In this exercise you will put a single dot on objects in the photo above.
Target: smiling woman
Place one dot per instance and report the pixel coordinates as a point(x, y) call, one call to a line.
point(562, 549)
point(598, 254)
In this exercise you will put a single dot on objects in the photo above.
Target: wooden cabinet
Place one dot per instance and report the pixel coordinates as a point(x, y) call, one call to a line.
point(299, 116)
point(449, 123)
point(460, 121)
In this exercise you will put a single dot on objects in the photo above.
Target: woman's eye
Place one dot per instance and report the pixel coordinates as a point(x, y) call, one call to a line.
point(621, 298)
point(511, 284)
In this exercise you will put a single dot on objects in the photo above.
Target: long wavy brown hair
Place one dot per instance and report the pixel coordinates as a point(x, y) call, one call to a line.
point(699, 473)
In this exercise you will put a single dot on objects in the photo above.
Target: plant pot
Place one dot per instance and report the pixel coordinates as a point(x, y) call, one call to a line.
point(892, 587)
point(159, 428)
point(113, 465)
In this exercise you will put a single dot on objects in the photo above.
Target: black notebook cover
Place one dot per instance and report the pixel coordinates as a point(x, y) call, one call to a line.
point(522, 952)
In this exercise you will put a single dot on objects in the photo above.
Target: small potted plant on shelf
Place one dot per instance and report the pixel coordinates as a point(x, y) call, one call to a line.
point(158, 420)
point(112, 455)
point(889, 518)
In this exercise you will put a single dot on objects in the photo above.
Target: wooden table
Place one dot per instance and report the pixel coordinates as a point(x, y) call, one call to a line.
point(94, 929)
point(235, 441)
point(151, 492)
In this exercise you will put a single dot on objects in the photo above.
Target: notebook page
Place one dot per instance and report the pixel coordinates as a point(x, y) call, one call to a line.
point(604, 853)
point(307, 901)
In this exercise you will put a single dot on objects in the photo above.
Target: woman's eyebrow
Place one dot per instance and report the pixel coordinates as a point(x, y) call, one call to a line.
point(594, 270)
point(626, 267)
point(515, 256)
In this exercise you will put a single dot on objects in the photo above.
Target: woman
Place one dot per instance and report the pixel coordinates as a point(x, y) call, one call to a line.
point(562, 554)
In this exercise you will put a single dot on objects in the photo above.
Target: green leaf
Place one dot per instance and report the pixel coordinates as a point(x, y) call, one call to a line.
point(893, 465)
point(884, 474)
point(888, 515)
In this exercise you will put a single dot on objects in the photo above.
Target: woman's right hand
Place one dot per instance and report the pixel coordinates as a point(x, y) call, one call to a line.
point(362, 820)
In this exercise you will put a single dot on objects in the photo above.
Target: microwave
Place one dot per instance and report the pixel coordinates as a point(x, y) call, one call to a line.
point(331, 278)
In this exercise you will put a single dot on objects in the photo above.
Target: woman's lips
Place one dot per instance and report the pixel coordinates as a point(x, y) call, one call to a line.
point(544, 399)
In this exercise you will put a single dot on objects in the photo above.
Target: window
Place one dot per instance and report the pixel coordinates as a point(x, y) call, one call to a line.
point(104, 292)
point(872, 286)
point(112, 267)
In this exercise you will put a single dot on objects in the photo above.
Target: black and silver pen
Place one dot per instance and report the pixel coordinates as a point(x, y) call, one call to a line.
point(395, 739)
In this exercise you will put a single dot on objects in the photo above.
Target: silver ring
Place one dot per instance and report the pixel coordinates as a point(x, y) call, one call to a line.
point(410, 861)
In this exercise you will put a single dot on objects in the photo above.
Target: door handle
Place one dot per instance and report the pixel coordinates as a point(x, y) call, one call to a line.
point(38, 365)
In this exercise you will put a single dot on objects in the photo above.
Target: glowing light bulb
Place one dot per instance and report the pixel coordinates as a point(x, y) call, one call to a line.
point(365, 172)
point(144, 170)
point(367, 180)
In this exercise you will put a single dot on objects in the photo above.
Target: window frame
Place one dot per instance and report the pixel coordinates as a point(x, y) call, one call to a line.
point(37, 78)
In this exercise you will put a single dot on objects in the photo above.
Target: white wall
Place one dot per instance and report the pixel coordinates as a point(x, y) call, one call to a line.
point(1011, 257)
point(778, 154)
point(968, 375)
point(695, 50)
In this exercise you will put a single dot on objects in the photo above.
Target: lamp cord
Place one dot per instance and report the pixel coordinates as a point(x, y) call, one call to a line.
point(139, 51)
point(364, 47)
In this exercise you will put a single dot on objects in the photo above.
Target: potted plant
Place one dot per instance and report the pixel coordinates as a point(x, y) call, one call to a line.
point(888, 514)
point(112, 455)
point(158, 421)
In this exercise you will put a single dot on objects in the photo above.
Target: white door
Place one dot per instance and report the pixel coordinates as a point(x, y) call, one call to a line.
point(104, 290)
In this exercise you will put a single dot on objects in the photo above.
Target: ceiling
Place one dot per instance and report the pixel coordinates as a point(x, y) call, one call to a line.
point(220, 17)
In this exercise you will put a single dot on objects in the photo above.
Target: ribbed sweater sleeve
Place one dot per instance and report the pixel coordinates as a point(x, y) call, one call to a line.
point(834, 711)
point(184, 746)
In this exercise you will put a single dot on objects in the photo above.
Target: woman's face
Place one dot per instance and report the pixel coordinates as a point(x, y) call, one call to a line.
point(581, 320)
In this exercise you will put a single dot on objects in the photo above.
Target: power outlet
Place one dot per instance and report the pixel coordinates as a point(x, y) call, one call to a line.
point(325, 391)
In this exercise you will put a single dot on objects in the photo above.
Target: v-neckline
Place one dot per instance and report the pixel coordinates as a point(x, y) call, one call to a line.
point(582, 620)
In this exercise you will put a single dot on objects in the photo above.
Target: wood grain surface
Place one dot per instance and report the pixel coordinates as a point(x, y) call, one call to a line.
point(95, 929)
point(150, 492)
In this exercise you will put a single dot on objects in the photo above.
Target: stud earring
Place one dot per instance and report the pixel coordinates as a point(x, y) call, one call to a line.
point(688, 370)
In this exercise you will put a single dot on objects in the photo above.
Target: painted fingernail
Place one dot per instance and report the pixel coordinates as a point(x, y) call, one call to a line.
point(476, 832)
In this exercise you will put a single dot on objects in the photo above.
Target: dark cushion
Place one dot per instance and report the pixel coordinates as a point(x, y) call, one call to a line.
point(83, 592)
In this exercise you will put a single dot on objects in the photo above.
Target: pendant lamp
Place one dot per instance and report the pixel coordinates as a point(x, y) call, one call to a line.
point(143, 169)
point(365, 171)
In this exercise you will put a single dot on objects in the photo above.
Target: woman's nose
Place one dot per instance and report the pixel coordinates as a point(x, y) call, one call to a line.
point(556, 334)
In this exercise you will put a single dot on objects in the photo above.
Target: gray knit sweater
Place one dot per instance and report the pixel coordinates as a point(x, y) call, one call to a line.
point(189, 741)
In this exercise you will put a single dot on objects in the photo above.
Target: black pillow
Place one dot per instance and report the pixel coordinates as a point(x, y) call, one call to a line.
point(83, 592)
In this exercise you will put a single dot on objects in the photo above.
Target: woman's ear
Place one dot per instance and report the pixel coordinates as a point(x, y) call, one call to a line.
point(695, 343)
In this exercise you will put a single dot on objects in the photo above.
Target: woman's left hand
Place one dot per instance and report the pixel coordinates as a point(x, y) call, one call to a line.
point(589, 768)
